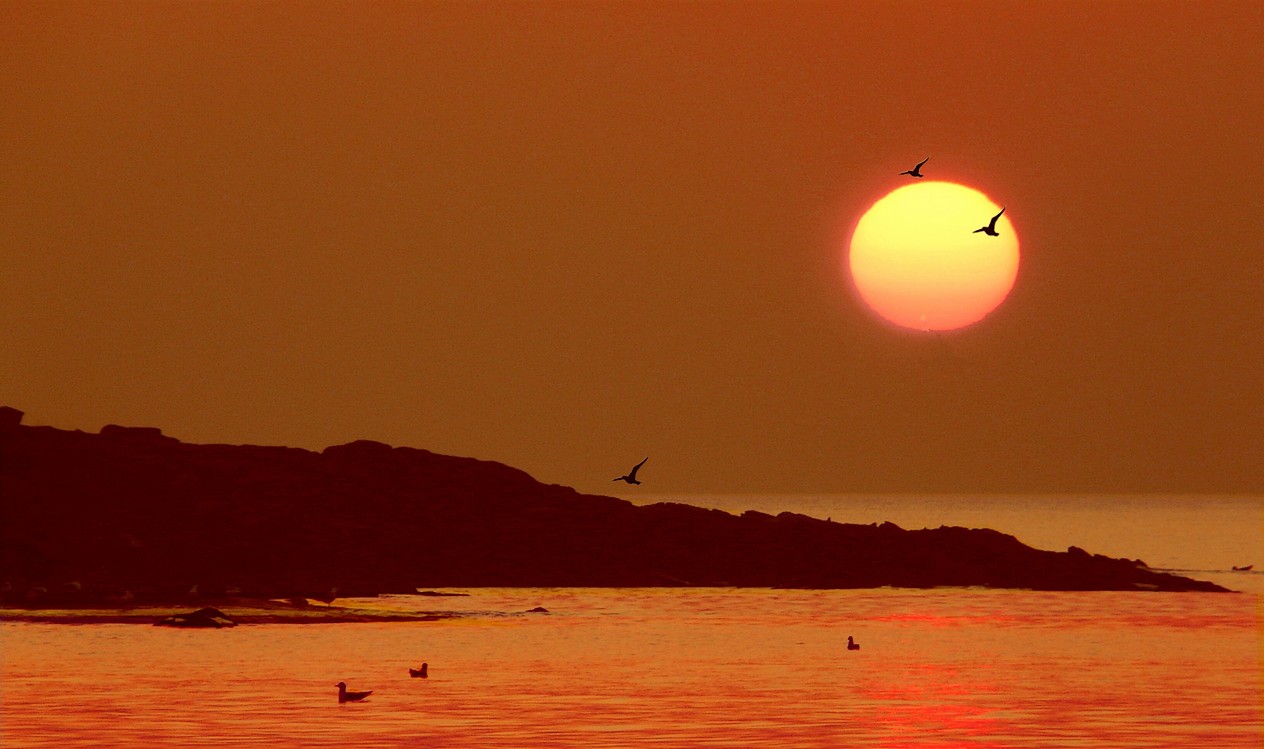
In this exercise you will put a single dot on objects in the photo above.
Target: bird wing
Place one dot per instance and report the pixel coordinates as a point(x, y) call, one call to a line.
point(994, 218)
point(632, 473)
point(919, 164)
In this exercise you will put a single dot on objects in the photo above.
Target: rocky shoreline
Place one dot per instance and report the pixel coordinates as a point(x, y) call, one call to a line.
point(130, 516)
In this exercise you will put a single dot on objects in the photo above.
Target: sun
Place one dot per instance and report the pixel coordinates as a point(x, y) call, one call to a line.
point(917, 260)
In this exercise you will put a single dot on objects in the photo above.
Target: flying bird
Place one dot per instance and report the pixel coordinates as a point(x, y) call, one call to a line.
point(990, 229)
point(345, 696)
point(917, 170)
point(631, 477)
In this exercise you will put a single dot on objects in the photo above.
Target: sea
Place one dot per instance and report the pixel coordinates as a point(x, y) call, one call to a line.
point(712, 667)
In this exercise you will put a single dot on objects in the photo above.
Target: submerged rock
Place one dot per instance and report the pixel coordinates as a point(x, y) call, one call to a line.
point(207, 618)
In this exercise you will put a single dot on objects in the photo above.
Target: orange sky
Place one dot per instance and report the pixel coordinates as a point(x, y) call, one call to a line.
point(567, 236)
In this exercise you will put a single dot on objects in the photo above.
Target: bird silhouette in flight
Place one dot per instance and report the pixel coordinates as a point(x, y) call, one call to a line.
point(990, 229)
point(917, 170)
point(631, 477)
point(345, 696)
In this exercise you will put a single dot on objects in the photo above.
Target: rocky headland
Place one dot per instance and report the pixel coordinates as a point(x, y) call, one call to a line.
point(130, 515)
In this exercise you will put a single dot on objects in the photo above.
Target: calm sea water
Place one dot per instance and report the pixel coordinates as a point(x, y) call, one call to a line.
point(691, 667)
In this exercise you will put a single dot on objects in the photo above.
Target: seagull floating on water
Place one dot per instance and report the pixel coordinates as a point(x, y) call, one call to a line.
point(917, 170)
point(345, 696)
point(419, 673)
point(631, 477)
point(851, 644)
point(990, 229)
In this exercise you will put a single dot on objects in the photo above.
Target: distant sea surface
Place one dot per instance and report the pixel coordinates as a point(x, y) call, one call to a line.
point(710, 667)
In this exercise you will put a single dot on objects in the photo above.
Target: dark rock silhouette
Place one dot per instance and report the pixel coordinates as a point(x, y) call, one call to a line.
point(10, 417)
point(141, 517)
point(136, 433)
point(208, 618)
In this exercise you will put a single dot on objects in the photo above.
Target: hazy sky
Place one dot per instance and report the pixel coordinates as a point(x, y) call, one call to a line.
point(568, 236)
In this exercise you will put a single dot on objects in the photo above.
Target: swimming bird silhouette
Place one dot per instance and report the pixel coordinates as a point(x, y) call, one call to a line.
point(419, 673)
point(917, 170)
point(345, 696)
point(631, 477)
point(990, 229)
point(851, 644)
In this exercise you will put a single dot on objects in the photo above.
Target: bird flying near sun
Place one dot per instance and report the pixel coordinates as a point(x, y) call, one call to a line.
point(915, 261)
point(990, 229)
point(917, 170)
point(631, 475)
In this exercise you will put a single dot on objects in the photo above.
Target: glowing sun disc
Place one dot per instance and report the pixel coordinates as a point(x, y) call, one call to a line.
point(917, 262)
